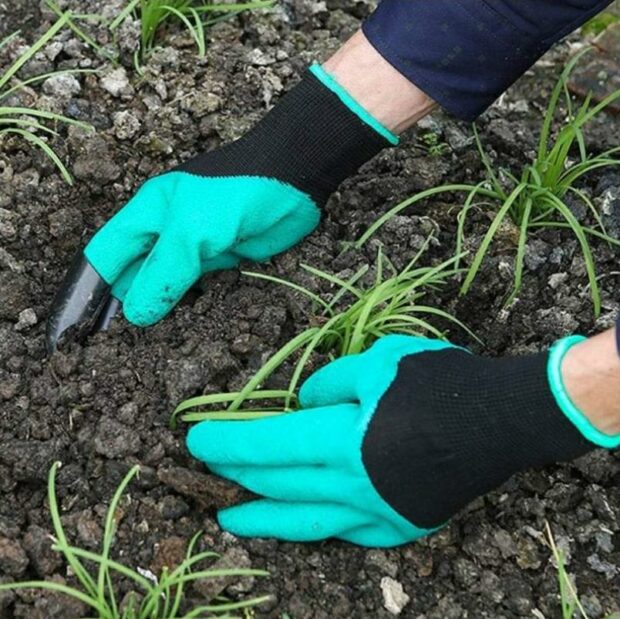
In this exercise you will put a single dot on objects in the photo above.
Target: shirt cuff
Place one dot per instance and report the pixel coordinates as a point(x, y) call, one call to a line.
point(465, 53)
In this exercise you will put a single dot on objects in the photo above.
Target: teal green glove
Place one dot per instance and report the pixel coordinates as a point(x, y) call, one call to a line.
point(186, 225)
point(251, 199)
point(309, 463)
point(392, 442)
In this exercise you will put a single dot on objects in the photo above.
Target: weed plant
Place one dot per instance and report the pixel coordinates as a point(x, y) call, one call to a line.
point(392, 303)
point(161, 598)
point(194, 15)
point(539, 196)
point(569, 599)
point(28, 123)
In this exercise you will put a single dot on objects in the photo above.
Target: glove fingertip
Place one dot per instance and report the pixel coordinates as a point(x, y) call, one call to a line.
point(196, 441)
point(232, 521)
point(140, 313)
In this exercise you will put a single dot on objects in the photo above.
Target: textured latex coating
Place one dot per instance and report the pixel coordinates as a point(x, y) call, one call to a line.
point(179, 226)
point(309, 464)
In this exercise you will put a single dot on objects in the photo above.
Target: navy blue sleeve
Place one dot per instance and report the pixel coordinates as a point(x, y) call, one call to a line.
point(465, 53)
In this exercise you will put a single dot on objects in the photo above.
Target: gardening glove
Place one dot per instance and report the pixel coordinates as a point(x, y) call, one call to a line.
point(249, 200)
point(390, 443)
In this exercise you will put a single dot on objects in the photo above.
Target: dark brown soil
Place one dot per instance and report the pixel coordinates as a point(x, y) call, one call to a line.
point(102, 405)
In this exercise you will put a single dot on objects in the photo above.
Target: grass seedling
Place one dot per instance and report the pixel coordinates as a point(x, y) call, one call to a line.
point(537, 197)
point(569, 600)
point(194, 15)
point(161, 598)
point(29, 122)
point(392, 303)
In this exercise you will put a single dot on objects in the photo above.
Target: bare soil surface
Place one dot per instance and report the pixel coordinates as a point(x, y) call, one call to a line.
point(103, 404)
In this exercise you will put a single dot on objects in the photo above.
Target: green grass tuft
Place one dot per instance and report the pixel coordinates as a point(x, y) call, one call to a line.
point(392, 303)
point(194, 15)
point(29, 123)
point(570, 603)
point(537, 196)
point(161, 598)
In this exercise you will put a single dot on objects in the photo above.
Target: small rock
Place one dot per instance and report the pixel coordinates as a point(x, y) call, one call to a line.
point(259, 58)
point(603, 567)
point(9, 385)
point(7, 224)
point(88, 529)
point(505, 543)
point(609, 206)
point(95, 163)
point(518, 595)
point(63, 85)
point(528, 557)
point(202, 103)
point(126, 124)
point(52, 49)
point(15, 294)
point(117, 83)
point(593, 607)
point(604, 541)
point(113, 439)
point(235, 558)
point(379, 559)
point(456, 139)
point(13, 558)
point(38, 545)
point(26, 319)
point(556, 280)
point(169, 553)
point(447, 608)
point(173, 507)
point(207, 490)
point(465, 572)
point(394, 597)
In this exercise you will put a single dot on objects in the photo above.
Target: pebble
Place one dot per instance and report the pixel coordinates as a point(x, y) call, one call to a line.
point(603, 567)
point(126, 125)
point(63, 85)
point(394, 597)
point(117, 83)
point(379, 559)
point(38, 546)
point(556, 280)
point(13, 558)
point(26, 319)
point(113, 439)
point(234, 558)
point(258, 58)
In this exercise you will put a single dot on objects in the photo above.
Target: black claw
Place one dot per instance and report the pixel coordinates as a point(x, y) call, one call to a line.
point(84, 301)
point(111, 309)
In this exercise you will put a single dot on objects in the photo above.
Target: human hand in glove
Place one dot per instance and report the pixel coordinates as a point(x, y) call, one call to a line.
point(392, 442)
point(249, 200)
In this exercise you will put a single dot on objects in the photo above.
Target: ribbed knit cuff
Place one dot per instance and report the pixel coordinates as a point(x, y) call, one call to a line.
point(563, 399)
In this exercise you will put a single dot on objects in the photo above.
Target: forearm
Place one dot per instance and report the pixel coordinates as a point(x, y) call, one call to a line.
point(377, 86)
point(465, 54)
point(591, 375)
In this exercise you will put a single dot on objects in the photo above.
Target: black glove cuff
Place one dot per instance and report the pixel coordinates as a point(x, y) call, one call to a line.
point(310, 140)
point(453, 426)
